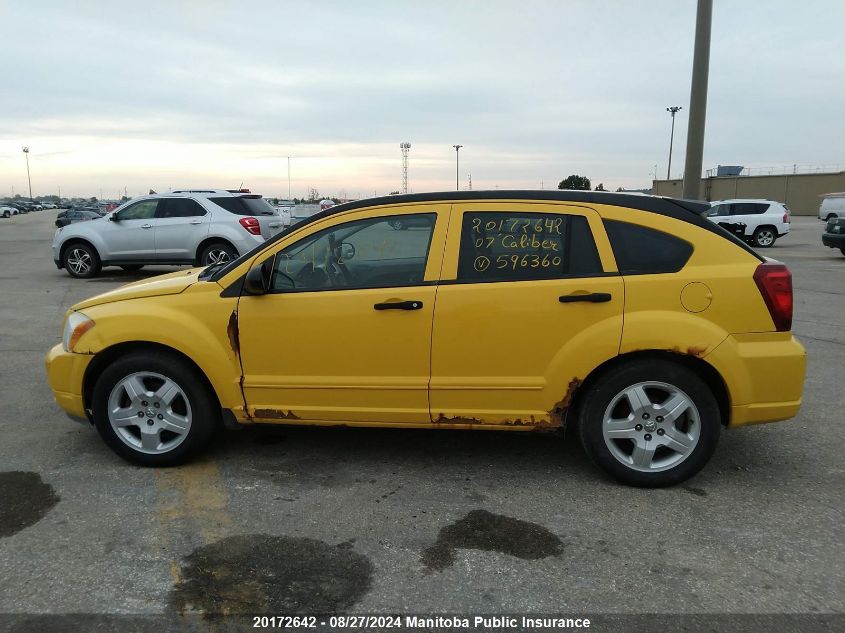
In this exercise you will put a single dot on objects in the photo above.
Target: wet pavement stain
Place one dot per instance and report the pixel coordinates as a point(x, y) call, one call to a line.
point(258, 573)
point(699, 492)
point(24, 500)
point(490, 532)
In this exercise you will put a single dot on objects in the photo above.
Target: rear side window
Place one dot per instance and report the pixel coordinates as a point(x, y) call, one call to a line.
point(244, 205)
point(640, 250)
point(749, 208)
point(179, 208)
point(525, 246)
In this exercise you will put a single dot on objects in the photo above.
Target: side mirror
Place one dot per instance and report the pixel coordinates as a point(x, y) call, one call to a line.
point(113, 217)
point(255, 282)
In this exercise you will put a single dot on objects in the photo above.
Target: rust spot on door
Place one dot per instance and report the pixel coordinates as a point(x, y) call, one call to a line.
point(276, 414)
point(696, 351)
point(557, 414)
point(232, 332)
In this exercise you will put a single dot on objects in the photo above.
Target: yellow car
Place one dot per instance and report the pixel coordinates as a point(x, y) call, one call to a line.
point(631, 319)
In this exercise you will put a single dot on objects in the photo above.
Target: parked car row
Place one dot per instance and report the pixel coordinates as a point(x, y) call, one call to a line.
point(181, 227)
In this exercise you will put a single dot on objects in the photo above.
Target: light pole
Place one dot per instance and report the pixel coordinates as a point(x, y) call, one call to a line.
point(671, 110)
point(457, 166)
point(288, 178)
point(26, 153)
point(698, 100)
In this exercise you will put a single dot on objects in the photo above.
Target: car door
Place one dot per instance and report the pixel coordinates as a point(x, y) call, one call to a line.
point(528, 303)
point(181, 224)
point(130, 235)
point(344, 333)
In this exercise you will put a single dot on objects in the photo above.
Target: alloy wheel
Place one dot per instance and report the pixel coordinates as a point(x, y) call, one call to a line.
point(765, 237)
point(149, 412)
point(651, 426)
point(218, 256)
point(79, 261)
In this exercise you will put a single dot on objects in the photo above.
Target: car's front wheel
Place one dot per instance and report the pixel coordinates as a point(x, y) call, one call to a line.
point(154, 409)
point(650, 423)
point(81, 260)
point(764, 237)
point(218, 253)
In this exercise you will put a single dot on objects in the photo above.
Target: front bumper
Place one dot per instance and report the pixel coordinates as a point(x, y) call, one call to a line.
point(833, 240)
point(764, 373)
point(65, 373)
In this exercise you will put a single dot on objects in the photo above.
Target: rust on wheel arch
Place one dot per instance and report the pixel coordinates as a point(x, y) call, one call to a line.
point(557, 414)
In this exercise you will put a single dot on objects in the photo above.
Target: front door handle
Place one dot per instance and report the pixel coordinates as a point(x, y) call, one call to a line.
point(146, 226)
point(592, 297)
point(399, 305)
point(196, 222)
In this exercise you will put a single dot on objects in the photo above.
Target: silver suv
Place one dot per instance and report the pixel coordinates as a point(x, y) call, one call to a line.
point(193, 227)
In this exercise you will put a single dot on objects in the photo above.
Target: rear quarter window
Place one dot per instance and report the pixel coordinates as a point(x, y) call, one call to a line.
point(244, 205)
point(640, 250)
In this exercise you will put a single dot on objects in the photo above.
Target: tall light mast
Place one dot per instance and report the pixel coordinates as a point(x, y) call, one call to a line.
point(405, 146)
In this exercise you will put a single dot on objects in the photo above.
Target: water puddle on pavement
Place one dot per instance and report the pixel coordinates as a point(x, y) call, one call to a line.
point(482, 530)
point(257, 573)
point(24, 500)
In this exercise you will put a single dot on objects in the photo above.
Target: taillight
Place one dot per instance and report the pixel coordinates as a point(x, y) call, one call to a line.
point(775, 284)
point(251, 225)
point(786, 218)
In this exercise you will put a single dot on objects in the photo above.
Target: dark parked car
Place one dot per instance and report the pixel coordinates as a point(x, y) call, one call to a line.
point(75, 215)
point(834, 234)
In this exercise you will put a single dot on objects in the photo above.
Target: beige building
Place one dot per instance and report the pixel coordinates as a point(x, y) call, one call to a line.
point(801, 192)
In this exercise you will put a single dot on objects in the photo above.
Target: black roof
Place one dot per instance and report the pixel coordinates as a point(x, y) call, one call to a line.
point(691, 211)
point(656, 204)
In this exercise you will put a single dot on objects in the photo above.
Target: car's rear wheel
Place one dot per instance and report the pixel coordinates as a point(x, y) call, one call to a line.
point(131, 268)
point(218, 253)
point(650, 423)
point(764, 236)
point(81, 260)
point(6, 214)
point(154, 409)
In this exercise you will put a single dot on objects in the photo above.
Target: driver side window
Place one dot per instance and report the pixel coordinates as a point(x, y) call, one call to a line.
point(144, 210)
point(373, 253)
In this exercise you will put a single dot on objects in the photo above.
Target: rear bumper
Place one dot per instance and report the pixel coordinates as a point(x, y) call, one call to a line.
point(65, 373)
point(764, 373)
point(833, 241)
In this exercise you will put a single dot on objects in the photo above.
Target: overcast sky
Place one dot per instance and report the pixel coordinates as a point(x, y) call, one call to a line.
point(172, 94)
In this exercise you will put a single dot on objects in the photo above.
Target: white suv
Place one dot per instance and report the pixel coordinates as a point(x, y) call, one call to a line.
point(764, 220)
point(192, 227)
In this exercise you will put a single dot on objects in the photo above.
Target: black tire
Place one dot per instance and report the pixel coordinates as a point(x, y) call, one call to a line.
point(601, 394)
point(213, 250)
point(764, 236)
point(205, 411)
point(6, 214)
point(131, 268)
point(73, 252)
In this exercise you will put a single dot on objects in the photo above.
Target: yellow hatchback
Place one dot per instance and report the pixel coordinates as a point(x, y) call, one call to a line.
point(631, 319)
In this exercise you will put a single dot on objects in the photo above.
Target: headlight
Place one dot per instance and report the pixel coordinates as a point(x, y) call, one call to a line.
point(76, 325)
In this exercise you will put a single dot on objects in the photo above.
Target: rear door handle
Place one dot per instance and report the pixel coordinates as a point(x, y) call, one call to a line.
point(593, 297)
point(196, 222)
point(399, 305)
point(146, 226)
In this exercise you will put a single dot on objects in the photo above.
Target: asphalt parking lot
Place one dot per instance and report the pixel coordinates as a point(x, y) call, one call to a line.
point(410, 521)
